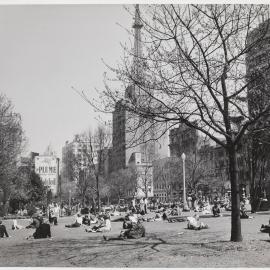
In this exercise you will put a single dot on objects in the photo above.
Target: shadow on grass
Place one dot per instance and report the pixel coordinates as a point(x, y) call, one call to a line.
point(150, 240)
point(261, 213)
point(267, 241)
point(94, 251)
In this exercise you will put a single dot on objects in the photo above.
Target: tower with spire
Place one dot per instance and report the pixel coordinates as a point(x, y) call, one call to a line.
point(137, 26)
point(125, 123)
point(132, 92)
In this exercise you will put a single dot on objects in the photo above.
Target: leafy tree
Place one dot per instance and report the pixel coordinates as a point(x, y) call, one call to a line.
point(27, 188)
point(11, 145)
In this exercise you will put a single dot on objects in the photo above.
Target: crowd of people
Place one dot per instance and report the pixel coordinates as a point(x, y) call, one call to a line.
point(132, 220)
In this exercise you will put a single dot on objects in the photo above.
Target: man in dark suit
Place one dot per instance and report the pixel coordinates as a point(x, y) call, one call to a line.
point(43, 230)
point(3, 230)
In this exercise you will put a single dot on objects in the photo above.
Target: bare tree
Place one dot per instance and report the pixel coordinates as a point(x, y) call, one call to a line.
point(193, 72)
point(196, 170)
point(94, 151)
point(79, 171)
point(105, 192)
point(145, 179)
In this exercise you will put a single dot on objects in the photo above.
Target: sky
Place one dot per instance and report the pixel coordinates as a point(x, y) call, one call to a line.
point(45, 50)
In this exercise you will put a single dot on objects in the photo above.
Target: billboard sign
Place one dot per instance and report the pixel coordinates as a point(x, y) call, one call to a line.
point(47, 168)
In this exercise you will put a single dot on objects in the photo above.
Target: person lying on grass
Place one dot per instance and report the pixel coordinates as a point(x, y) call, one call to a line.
point(157, 217)
point(194, 223)
point(77, 223)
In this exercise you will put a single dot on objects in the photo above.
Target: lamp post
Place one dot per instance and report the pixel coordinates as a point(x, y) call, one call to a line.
point(183, 156)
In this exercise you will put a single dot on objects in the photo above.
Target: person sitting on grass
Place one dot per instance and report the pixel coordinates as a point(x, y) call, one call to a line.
point(164, 215)
point(3, 230)
point(98, 224)
point(15, 225)
point(135, 231)
point(243, 211)
point(103, 227)
point(265, 228)
point(129, 220)
point(93, 219)
point(194, 223)
point(216, 210)
point(36, 221)
point(133, 217)
point(86, 220)
point(157, 217)
point(77, 223)
point(43, 230)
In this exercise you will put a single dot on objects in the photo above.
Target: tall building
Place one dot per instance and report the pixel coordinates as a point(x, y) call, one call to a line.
point(129, 129)
point(258, 72)
point(257, 65)
point(119, 137)
point(134, 140)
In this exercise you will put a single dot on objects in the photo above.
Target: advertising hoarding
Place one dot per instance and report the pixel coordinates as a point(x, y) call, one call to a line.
point(47, 167)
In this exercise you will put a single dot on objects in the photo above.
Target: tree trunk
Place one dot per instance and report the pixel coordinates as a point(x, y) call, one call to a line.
point(119, 198)
point(236, 235)
point(83, 200)
point(94, 204)
point(98, 197)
